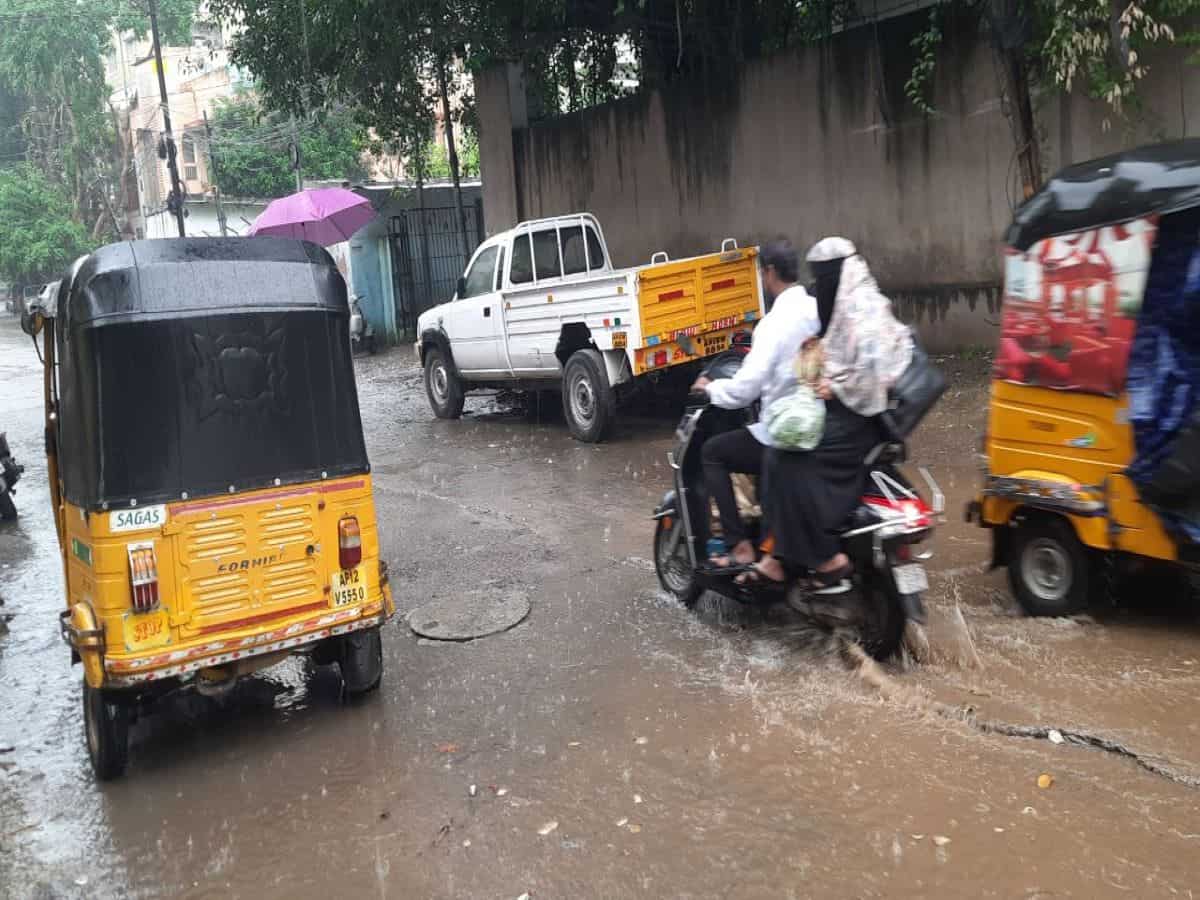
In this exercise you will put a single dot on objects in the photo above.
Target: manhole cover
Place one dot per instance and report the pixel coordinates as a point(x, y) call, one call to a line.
point(475, 614)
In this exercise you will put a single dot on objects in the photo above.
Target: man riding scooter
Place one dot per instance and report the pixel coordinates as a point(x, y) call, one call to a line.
point(767, 375)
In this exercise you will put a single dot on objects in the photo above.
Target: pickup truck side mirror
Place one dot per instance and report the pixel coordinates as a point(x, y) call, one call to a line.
point(460, 287)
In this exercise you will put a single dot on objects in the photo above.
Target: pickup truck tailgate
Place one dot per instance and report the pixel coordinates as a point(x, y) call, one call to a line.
point(696, 296)
point(691, 296)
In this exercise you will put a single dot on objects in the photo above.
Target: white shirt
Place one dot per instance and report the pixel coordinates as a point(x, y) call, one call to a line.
point(767, 372)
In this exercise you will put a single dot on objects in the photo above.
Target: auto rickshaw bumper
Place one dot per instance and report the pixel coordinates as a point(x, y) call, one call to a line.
point(239, 651)
point(85, 637)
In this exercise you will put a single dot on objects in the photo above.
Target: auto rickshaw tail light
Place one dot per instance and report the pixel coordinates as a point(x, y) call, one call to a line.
point(143, 577)
point(349, 543)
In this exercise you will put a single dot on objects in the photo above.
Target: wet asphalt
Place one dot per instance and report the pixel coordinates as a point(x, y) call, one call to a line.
point(618, 745)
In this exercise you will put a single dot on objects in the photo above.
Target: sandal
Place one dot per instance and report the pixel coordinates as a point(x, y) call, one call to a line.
point(753, 576)
point(725, 562)
point(733, 570)
point(835, 581)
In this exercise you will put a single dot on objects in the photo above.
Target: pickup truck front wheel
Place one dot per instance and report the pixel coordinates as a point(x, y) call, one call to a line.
point(589, 401)
point(442, 385)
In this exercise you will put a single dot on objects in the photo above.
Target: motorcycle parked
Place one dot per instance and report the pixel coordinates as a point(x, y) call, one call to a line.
point(10, 472)
point(362, 332)
point(880, 536)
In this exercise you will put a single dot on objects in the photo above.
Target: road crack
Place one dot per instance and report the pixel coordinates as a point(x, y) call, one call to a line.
point(871, 673)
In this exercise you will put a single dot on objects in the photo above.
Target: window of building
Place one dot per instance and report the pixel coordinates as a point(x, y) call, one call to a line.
point(190, 170)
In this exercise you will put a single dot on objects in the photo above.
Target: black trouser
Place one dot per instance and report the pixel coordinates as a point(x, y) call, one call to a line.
point(733, 451)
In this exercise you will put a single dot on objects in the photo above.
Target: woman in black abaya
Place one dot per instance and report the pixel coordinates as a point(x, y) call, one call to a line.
point(807, 495)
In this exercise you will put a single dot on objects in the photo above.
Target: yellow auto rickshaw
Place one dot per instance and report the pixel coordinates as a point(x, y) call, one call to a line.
point(1093, 436)
point(208, 472)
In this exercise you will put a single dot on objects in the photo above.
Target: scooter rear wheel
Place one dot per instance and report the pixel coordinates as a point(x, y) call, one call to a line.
point(882, 629)
point(674, 570)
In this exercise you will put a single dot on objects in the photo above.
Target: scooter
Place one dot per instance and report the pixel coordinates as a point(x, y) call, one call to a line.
point(881, 536)
point(10, 472)
point(362, 332)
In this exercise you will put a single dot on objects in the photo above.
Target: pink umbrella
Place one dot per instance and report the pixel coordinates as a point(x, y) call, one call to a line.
point(324, 216)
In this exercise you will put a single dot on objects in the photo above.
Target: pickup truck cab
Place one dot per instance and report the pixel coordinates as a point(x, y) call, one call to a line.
point(541, 307)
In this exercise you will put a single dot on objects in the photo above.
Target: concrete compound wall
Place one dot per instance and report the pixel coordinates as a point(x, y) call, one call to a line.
point(814, 142)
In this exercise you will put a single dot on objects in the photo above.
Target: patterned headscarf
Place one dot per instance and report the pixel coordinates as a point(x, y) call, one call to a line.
point(865, 348)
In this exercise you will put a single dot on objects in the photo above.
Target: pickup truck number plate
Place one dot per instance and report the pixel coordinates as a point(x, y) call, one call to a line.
point(618, 340)
point(349, 586)
point(911, 579)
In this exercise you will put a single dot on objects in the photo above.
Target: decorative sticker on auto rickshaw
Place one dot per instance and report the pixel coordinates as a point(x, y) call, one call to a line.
point(1070, 308)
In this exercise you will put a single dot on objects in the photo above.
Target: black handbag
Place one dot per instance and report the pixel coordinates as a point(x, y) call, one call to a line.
point(915, 392)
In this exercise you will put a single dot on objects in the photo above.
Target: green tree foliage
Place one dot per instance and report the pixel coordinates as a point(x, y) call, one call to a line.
point(573, 50)
point(52, 66)
point(1043, 46)
point(1097, 44)
point(38, 238)
point(252, 149)
point(438, 165)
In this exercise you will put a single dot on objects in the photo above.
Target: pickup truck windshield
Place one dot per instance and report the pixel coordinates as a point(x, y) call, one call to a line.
point(479, 279)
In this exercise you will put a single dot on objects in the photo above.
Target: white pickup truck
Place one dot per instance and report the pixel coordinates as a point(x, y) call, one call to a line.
point(541, 307)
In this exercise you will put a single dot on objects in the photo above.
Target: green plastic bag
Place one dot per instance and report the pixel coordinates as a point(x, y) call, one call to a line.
point(797, 421)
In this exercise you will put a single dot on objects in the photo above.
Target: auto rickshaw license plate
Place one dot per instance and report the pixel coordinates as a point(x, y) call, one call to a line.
point(146, 631)
point(911, 579)
point(349, 586)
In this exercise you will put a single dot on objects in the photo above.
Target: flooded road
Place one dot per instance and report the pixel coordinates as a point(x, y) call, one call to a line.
point(618, 745)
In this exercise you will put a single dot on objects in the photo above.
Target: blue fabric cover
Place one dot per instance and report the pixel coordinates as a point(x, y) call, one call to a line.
point(1164, 378)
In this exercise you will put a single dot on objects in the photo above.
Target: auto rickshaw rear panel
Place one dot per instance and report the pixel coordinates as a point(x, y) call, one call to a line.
point(208, 467)
point(1059, 439)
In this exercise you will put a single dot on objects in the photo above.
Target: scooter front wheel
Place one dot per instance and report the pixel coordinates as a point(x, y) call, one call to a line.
point(672, 564)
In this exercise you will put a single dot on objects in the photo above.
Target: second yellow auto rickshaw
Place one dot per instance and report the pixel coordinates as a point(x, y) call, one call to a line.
point(208, 472)
point(1093, 435)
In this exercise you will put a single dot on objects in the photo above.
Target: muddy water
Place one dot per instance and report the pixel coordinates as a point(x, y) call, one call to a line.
point(618, 745)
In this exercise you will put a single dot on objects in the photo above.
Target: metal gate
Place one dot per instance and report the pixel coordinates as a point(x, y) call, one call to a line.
point(427, 257)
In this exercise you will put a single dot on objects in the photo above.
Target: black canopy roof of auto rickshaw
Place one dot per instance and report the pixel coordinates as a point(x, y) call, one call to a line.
point(196, 367)
point(1162, 178)
point(183, 277)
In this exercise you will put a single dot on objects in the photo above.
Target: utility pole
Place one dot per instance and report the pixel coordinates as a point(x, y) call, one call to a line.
point(175, 199)
point(296, 160)
point(452, 154)
point(216, 177)
point(296, 155)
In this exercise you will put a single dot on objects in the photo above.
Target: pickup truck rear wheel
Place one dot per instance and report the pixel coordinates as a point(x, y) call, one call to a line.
point(589, 401)
point(443, 385)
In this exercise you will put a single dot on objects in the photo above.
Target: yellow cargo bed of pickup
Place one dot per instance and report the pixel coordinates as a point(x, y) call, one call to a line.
point(691, 308)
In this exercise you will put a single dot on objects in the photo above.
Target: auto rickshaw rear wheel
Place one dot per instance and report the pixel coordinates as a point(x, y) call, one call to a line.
point(361, 661)
point(1049, 570)
point(106, 727)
